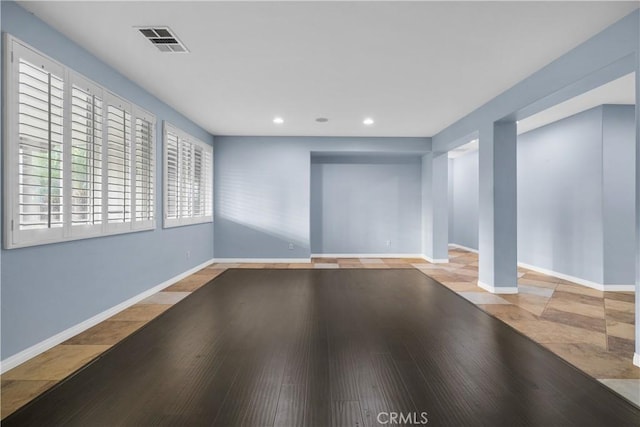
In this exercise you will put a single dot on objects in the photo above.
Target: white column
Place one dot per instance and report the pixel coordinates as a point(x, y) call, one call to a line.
point(498, 272)
point(435, 211)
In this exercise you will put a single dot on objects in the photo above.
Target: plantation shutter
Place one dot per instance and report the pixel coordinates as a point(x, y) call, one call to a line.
point(198, 183)
point(145, 174)
point(171, 173)
point(78, 161)
point(185, 172)
point(202, 181)
point(208, 182)
point(86, 156)
point(118, 162)
point(188, 190)
point(40, 134)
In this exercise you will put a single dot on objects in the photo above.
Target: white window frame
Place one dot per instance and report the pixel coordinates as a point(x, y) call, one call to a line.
point(13, 236)
point(187, 138)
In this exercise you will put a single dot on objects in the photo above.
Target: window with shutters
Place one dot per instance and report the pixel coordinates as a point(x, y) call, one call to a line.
point(118, 162)
point(80, 161)
point(145, 168)
point(171, 174)
point(86, 155)
point(188, 178)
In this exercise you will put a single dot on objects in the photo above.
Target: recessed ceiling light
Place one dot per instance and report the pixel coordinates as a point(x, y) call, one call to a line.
point(368, 121)
point(278, 120)
point(322, 120)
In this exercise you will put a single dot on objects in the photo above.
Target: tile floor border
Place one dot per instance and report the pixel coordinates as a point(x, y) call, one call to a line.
point(353, 256)
point(261, 260)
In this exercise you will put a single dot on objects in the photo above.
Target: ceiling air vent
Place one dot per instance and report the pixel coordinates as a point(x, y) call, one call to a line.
point(163, 39)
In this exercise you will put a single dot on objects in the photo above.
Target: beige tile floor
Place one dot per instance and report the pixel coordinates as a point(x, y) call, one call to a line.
point(592, 330)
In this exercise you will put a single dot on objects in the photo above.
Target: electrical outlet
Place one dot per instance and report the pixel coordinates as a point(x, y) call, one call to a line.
point(388, 243)
point(290, 246)
point(188, 254)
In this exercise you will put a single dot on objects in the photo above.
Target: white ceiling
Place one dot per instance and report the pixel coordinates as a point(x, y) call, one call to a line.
point(415, 67)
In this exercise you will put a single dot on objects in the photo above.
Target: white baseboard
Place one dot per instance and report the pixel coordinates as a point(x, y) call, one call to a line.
point(593, 285)
point(262, 260)
point(636, 359)
point(498, 289)
point(577, 280)
point(436, 260)
point(36, 349)
point(464, 248)
point(366, 256)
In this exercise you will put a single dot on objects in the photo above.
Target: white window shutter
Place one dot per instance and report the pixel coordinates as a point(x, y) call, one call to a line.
point(40, 134)
point(118, 162)
point(198, 181)
point(79, 161)
point(145, 171)
point(208, 183)
point(188, 190)
point(86, 157)
point(186, 179)
point(171, 173)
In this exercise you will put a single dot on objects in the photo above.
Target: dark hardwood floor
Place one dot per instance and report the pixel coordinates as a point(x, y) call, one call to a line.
point(327, 347)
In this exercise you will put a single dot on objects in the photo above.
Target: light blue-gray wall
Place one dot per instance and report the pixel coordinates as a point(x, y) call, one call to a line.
point(463, 213)
point(575, 196)
point(263, 189)
point(435, 209)
point(366, 204)
point(560, 225)
point(619, 151)
point(47, 289)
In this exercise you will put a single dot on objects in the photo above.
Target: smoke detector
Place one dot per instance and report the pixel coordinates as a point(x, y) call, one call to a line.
point(163, 39)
